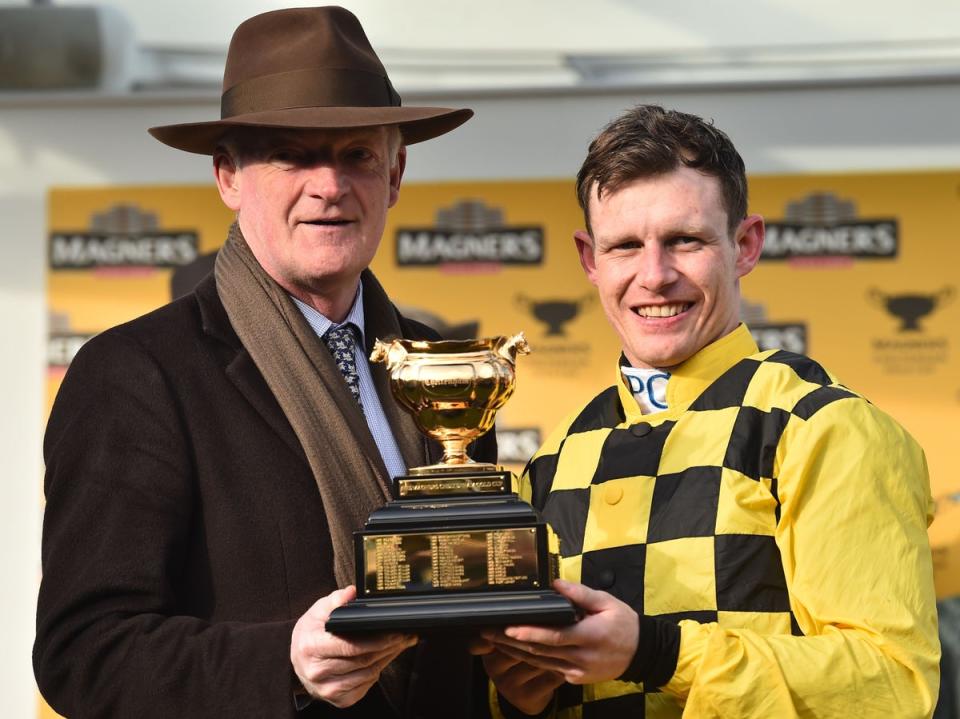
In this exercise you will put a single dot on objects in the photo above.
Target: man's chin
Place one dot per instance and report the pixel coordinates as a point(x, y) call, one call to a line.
point(660, 358)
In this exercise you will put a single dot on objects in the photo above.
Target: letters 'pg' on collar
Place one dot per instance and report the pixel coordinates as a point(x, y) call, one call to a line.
point(689, 379)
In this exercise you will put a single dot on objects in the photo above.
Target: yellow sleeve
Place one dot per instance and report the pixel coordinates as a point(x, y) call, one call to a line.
point(855, 505)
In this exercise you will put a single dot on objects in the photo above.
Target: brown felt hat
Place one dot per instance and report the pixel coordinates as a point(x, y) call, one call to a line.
point(307, 68)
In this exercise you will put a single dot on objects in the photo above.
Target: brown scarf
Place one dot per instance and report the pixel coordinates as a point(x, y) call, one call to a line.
point(303, 377)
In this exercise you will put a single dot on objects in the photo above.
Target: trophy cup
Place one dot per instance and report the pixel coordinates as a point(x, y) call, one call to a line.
point(456, 547)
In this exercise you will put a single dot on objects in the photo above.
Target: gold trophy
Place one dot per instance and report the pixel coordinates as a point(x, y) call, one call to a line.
point(456, 547)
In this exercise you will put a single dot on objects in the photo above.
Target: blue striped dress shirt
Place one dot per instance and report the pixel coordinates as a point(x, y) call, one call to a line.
point(372, 409)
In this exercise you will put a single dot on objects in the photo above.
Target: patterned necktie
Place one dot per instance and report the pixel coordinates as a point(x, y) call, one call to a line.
point(340, 341)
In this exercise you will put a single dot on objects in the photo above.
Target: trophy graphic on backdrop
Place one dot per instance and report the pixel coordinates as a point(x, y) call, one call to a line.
point(910, 309)
point(456, 546)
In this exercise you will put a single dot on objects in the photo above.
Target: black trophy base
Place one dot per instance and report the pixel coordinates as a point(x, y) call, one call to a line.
point(425, 614)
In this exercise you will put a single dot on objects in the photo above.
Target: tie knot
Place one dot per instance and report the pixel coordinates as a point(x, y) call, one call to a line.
point(338, 336)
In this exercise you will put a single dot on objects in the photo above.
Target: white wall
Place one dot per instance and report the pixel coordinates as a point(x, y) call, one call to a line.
point(50, 142)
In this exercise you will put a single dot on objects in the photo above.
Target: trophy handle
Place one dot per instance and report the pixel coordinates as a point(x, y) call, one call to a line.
point(509, 348)
point(380, 350)
point(392, 353)
point(944, 295)
point(523, 302)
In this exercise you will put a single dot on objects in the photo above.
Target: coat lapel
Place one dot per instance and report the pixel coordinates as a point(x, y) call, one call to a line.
point(239, 366)
point(243, 372)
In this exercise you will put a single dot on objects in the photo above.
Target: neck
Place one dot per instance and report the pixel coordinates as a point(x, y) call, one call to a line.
point(334, 305)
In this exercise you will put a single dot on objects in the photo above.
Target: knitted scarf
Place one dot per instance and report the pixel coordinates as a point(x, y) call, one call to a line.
point(327, 420)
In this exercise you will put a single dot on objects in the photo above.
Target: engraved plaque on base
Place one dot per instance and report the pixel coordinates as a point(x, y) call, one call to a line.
point(456, 547)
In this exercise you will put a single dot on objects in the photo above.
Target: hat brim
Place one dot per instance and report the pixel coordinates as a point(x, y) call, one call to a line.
point(416, 124)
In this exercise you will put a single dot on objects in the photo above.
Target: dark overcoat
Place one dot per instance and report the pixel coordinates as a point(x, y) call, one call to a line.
point(184, 534)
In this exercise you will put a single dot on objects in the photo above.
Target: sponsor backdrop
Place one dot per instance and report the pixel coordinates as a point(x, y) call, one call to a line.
point(859, 271)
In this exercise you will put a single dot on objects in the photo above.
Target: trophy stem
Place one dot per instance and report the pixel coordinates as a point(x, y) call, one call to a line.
point(455, 460)
point(455, 452)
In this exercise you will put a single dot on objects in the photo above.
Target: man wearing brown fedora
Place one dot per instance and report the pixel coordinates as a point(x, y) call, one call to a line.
point(207, 463)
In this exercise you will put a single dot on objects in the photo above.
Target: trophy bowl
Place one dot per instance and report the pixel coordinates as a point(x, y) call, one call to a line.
point(452, 389)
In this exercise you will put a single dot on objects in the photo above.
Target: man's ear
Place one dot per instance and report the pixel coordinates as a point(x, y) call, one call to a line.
point(749, 242)
point(227, 174)
point(396, 175)
point(588, 260)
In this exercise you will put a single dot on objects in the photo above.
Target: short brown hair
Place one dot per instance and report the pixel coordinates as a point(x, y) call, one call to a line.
point(648, 140)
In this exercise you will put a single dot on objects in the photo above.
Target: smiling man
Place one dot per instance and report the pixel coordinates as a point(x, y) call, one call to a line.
point(744, 536)
point(208, 463)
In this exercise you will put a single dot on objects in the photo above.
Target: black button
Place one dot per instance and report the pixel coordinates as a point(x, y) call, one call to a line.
point(606, 578)
point(641, 430)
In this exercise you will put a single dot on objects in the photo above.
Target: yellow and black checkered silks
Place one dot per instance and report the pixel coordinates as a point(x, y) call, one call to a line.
point(682, 515)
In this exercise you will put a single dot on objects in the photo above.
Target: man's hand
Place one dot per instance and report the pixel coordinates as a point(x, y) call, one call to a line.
point(335, 669)
point(526, 687)
point(598, 647)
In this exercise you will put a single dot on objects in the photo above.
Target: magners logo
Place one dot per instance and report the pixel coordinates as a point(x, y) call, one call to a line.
point(821, 225)
point(467, 233)
point(122, 236)
point(790, 336)
point(63, 342)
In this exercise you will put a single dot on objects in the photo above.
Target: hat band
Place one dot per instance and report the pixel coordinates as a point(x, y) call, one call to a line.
point(311, 87)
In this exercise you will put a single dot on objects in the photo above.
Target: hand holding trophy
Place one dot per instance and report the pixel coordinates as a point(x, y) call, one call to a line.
point(456, 547)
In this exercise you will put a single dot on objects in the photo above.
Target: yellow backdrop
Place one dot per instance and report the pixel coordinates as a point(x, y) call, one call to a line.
point(870, 293)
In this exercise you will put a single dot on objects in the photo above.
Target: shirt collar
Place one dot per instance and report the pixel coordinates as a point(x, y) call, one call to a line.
point(320, 323)
point(689, 379)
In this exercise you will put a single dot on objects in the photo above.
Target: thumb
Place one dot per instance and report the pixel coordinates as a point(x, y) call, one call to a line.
point(590, 600)
point(479, 646)
point(325, 605)
point(342, 596)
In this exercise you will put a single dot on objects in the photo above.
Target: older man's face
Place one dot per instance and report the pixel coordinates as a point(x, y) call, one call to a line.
point(665, 265)
point(312, 204)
